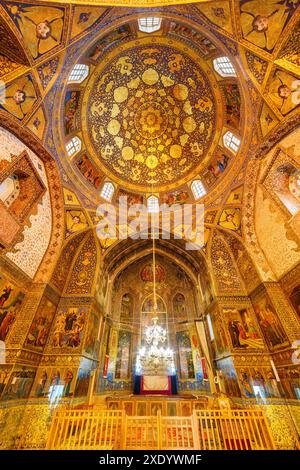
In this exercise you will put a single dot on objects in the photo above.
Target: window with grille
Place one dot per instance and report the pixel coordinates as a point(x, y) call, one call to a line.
point(224, 67)
point(152, 204)
point(149, 24)
point(73, 146)
point(79, 73)
point(231, 141)
point(107, 191)
point(198, 189)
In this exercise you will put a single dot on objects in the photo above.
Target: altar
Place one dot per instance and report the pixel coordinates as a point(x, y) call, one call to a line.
point(155, 385)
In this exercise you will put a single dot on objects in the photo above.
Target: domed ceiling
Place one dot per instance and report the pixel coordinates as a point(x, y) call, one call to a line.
point(152, 113)
point(149, 114)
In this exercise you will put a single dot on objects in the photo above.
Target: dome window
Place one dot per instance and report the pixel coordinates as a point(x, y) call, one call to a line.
point(149, 24)
point(79, 73)
point(152, 204)
point(198, 189)
point(231, 141)
point(73, 146)
point(107, 191)
point(224, 67)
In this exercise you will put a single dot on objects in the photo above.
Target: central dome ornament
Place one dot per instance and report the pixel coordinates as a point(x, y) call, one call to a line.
point(153, 121)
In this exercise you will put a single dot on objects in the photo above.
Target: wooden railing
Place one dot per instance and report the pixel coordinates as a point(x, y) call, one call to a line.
point(85, 429)
point(204, 429)
point(233, 430)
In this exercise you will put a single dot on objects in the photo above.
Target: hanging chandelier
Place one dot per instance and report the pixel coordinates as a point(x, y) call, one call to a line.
point(153, 357)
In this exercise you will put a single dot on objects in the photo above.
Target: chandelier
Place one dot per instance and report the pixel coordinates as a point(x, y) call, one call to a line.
point(154, 358)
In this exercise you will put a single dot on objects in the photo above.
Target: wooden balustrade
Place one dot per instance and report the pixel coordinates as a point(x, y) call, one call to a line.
point(203, 430)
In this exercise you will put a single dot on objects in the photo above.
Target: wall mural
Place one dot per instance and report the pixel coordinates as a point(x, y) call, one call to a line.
point(71, 106)
point(11, 299)
point(177, 197)
point(92, 334)
point(242, 329)
point(68, 327)
point(109, 39)
point(232, 104)
point(131, 197)
point(216, 168)
point(284, 91)
point(126, 308)
point(88, 171)
point(19, 383)
point(269, 323)
point(75, 221)
point(183, 341)
point(123, 355)
point(41, 324)
point(179, 307)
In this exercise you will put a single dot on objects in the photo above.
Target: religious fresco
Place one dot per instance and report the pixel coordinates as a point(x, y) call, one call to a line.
point(176, 197)
point(41, 26)
point(152, 83)
point(83, 377)
point(123, 355)
point(20, 97)
point(228, 377)
point(88, 171)
point(83, 272)
point(91, 334)
point(262, 23)
point(259, 382)
point(232, 104)
point(113, 37)
point(206, 46)
point(179, 307)
point(126, 307)
point(186, 362)
point(75, 221)
point(70, 198)
point(54, 383)
point(242, 328)
point(39, 331)
point(220, 342)
point(284, 91)
point(147, 274)
point(230, 219)
point(269, 323)
point(268, 120)
point(216, 167)
point(68, 328)
point(11, 299)
point(19, 383)
point(147, 311)
point(71, 106)
point(132, 198)
point(295, 299)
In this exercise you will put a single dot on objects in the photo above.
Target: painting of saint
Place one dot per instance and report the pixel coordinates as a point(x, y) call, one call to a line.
point(284, 91)
point(71, 106)
point(75, 221)
point(19, 384)
point(245, 383)
point(263, 22)
point(147, 273)
point(40, 327)
point(68, 378)
point(126, 307)
point(295, 299)
point(40, 26)
point(20, 97)
point(242, 329)
point(185, 355)
point(88, 171)
point(269, 323)
point(10, 303)
point(41, 384)
point(179, 307)
point(233, 104)
point(68, 329)
point(216, 168)
point(177, 197)
point(123, 355)
point(132, 198)
point(92, 333)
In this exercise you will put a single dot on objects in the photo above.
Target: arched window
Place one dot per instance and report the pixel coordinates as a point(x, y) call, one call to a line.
point(149, 24)
point(224, 67)
point(73, 146)
point(9, 189)
point(198, 189)
point(152, 204)
point(79, 73)
point(107, 191)
point(231, 141)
